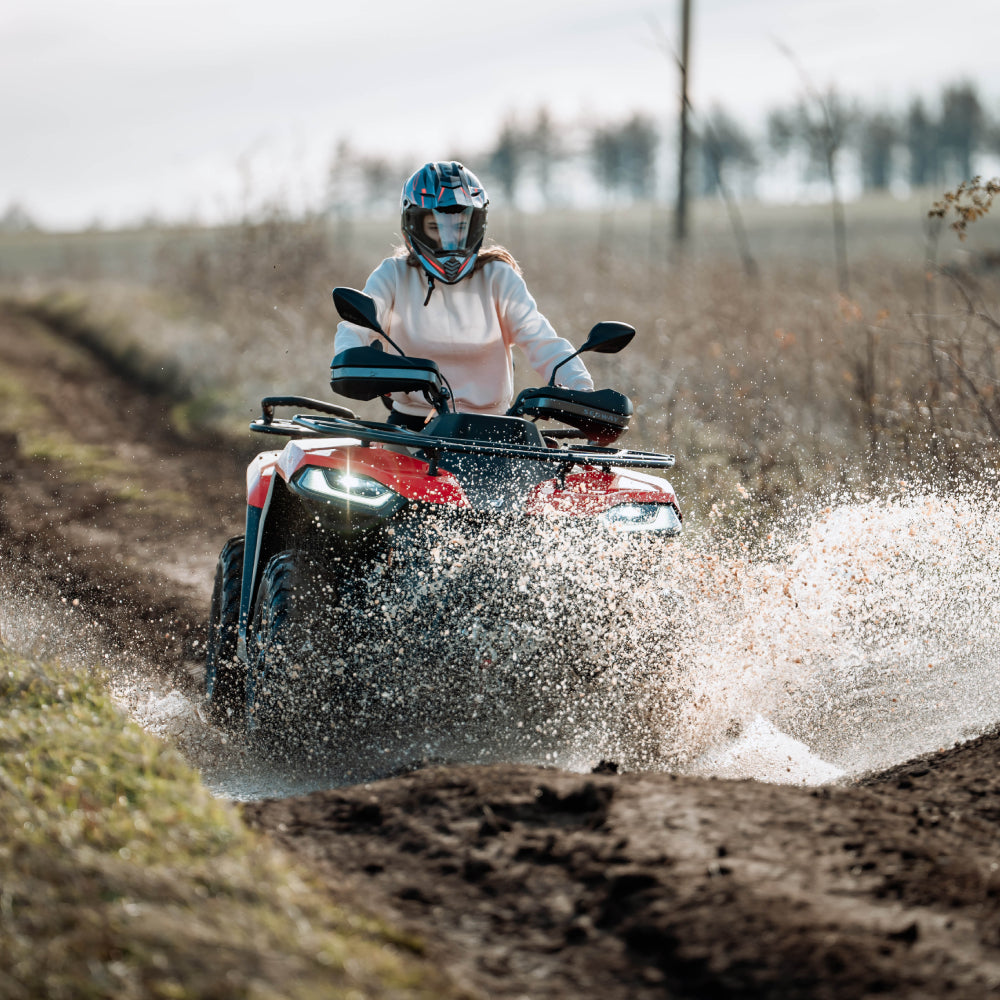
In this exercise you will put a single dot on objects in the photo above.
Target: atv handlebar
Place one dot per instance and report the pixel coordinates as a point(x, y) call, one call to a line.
point(432, 446)
point(268, 403)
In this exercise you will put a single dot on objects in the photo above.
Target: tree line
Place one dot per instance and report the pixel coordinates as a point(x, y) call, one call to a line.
point(536, 160)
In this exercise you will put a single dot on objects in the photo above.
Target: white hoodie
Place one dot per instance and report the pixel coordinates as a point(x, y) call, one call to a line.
point(467, 328)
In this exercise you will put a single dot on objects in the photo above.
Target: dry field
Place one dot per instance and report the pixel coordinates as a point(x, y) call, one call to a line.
point(778, 384)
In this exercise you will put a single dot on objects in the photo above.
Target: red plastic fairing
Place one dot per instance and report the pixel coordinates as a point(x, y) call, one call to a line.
point(260, 472)
point(592, 491)
point(403, 473)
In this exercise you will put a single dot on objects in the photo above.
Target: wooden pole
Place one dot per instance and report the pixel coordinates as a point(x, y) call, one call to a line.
point(680, 214)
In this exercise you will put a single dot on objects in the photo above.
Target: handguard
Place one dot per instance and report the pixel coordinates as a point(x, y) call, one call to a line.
point(366, 372)
point(601, 415)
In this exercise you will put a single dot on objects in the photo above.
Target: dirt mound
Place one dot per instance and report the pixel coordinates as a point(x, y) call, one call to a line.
point(534, 882)
point(525, 882)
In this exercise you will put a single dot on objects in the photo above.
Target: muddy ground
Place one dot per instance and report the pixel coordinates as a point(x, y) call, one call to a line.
point(525, 882)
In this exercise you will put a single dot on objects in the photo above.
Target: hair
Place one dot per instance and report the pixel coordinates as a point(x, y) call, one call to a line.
point(486, 256)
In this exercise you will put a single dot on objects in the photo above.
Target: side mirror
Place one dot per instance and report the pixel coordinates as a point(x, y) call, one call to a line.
point(608, 337)
point(358, 308)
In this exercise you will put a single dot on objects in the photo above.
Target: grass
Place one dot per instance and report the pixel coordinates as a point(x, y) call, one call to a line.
point(121, 876)
point(42, 439)
point(39, 438)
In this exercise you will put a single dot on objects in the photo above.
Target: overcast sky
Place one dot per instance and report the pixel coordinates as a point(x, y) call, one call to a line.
point(110, 109)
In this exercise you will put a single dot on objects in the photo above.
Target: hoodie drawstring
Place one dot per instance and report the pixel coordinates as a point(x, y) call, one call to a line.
point(430, 288)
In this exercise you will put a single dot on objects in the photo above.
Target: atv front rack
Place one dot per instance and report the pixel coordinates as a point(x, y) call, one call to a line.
point(334, 422)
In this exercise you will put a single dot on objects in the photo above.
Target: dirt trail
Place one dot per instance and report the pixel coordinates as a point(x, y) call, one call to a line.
point(525, 882)
point(101, 502)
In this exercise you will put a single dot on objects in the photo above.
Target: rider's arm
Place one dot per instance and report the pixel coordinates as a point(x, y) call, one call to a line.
point(381, 286)
point(525, 326)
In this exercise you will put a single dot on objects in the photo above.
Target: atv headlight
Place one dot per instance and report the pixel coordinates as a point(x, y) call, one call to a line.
point(336, 484)
point(642, 517)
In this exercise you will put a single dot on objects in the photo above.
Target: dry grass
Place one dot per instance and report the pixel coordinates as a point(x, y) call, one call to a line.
point(120, 875)
point(779, 385)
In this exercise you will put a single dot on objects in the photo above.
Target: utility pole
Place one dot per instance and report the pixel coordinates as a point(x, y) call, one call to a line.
point(680, 215)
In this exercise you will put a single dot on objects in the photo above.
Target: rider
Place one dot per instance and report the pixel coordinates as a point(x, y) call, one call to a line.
point(470, 324)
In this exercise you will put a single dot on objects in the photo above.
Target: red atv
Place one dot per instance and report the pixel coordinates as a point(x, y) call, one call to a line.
point(360, 582)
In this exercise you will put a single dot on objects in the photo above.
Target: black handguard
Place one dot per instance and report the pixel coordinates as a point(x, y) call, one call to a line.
point(601, 415)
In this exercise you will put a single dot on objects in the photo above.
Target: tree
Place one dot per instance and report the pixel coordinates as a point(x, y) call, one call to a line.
point(722, 143)
point(623, 157)
point(339, 190)
point(505, 162)
point(877, 139)
point(821, 123)
point(639, 138)
point(17, 219)
point(606, 159)
point(961, 128)
point(380, 181)
point(922, 146)
point(544, 144)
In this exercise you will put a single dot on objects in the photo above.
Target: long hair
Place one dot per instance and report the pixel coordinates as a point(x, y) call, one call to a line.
point(486, 255)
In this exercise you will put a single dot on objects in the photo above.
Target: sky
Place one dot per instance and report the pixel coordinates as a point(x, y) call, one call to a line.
point(111, 110)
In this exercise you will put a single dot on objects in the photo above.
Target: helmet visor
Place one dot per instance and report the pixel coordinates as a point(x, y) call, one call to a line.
point(449, 230)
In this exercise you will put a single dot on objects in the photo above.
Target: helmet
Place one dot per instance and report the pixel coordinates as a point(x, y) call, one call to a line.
point(443, 219)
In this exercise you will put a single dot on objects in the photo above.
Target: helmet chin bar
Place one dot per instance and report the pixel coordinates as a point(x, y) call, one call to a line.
point(449, 266)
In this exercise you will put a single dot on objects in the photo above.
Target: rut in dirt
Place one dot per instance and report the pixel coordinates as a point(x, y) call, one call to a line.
point(109, 519)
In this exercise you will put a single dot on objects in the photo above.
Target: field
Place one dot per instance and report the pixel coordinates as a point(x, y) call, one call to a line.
point(837, 465)
point(781, 383)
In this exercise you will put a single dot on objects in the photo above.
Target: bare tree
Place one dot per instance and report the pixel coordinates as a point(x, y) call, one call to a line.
point(381, 180)
point(922, 146)
point(623, 157)
point(684, 64)
point(607, 159)
point(17, 219)
point(724, 142)
point(639, 138)
point(545, 146)
point(822, 123)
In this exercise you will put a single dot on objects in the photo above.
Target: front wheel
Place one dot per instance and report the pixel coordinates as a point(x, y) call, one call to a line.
point(225, 674)
point(285, 643)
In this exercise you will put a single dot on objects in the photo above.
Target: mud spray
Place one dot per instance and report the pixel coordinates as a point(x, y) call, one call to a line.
point(858, 633)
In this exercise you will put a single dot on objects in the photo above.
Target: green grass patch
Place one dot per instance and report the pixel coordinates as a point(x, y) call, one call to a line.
point(121, 876)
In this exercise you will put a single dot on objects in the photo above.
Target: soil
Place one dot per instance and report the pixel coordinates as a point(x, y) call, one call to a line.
point(523, 881)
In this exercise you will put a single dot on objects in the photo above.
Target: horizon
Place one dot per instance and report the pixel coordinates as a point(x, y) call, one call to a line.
point(115, 113)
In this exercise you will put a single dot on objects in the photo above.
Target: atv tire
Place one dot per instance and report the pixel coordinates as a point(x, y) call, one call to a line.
point(225, 674)
point(287, 634)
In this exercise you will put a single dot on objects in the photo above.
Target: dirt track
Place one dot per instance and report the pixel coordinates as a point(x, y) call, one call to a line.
point(525, 882)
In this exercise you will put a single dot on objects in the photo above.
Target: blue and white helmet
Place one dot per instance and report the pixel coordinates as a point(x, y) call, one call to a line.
point(443, 219)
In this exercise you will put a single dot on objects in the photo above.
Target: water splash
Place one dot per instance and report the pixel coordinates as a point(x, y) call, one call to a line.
point(868, 630)
point(857, 635)
point(764, 753)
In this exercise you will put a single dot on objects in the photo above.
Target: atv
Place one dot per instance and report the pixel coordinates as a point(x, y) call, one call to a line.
point(355, 564)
